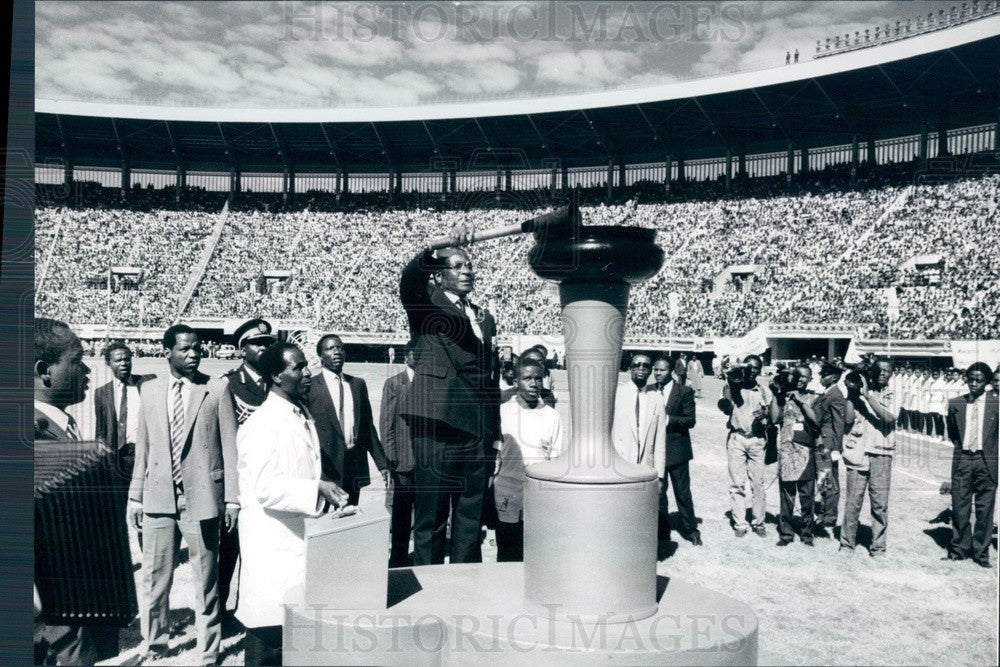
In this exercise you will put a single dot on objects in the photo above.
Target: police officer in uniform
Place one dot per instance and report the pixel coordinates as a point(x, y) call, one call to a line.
point(248, 391)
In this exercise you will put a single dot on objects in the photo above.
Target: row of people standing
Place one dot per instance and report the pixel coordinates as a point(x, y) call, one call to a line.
point(176, 438)
point(854, 420)
point(923, 396)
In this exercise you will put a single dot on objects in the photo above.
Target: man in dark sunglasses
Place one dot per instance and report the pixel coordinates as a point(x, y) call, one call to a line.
point(639, 431)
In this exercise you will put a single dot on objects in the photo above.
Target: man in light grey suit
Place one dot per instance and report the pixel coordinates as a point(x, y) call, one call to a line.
point(639, 429)
point(185, 469)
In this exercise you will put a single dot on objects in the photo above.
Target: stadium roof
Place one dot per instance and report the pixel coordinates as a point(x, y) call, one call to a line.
point(946, 79)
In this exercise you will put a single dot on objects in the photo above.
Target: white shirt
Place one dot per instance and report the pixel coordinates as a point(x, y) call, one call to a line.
point(185, 396)
point(973, 441)
point(469, 312)
point(530, 435)
point(132, 418)
point(665, 392)
point(336, 384)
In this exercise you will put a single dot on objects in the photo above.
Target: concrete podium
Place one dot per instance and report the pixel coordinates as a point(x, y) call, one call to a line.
point(475, 614)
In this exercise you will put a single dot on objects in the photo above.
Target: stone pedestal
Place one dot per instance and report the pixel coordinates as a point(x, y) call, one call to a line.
point(473, 615)
point(590, 516)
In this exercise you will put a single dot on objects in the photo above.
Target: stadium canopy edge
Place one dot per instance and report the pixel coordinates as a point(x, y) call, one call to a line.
point(940, 40)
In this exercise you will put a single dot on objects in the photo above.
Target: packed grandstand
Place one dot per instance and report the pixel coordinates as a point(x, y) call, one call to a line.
point(824, 254)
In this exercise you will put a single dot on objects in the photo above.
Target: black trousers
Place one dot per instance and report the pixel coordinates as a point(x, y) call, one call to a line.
point(510, 542)
point(680, 476)
point(830, 495)
point(972, 488)
point(449, 479)
point(262, 646)
point(935, 424)
point(64, 645)
point(916, 420)
point(805, 490)
point(401, 523)
point(229, 551)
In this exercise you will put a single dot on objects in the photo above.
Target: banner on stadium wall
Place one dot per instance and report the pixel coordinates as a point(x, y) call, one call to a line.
point(967, 352)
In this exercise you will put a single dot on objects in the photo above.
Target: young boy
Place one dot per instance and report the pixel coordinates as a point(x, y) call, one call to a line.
point(532, 432)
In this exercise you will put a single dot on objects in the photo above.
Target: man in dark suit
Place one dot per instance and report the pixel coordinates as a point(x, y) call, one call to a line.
point(60, 380)
point(339, 403)
point(183, 483)
point(973, 430)
point(247, 390)
point(835, 416)
point(116, 407)
point(679, 405)
point(452, 406)
point(398, 446)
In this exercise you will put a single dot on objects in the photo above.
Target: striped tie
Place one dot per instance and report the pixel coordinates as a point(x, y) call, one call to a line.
point(177, 432)
point(72, 432)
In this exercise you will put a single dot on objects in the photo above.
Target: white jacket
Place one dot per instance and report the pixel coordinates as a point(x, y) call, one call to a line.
point(278, 469)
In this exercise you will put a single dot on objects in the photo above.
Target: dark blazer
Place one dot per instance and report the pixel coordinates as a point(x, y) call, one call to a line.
point(679, 406)
point(835, 416)
point(46, 430)
point(396, 437)
point(208, 460)
point(956, 428)
point(455, 381)
point(348, 469)
point(106, 411)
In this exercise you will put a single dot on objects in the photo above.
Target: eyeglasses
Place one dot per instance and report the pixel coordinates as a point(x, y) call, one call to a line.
point(642, 364)
point(459, 266)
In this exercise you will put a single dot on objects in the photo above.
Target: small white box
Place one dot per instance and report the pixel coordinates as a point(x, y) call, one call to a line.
point(347, 560)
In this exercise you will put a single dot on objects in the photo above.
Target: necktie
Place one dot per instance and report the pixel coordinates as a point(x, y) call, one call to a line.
point(71, 429)
point(637, 396)
point(977, 429)
point(470, 312)
point(123, 416)
point(177, 432)
point(340, 399)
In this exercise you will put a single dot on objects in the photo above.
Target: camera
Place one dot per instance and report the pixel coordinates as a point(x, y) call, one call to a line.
point(783, 382)
point(853, 381)
point(735, 375)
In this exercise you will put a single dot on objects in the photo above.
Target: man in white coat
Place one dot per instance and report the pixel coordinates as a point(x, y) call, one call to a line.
point(279, 485)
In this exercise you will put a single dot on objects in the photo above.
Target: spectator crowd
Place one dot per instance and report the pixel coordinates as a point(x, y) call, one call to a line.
point(828, 255)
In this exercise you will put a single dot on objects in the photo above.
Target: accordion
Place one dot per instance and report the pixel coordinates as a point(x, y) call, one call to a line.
point(83, 566)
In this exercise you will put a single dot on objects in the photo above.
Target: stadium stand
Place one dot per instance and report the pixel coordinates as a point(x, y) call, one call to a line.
point(826, 254)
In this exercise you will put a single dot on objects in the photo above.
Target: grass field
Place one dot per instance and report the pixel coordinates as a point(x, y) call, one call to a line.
point(816, 606)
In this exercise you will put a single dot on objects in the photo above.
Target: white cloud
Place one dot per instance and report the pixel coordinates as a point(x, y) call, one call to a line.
point(261, 53)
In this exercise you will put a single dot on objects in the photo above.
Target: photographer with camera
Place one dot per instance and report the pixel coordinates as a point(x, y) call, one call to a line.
point(868, 450)
point(746, 403)
point(792, 408)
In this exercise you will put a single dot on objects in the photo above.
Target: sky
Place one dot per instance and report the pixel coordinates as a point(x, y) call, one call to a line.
point(387, 54)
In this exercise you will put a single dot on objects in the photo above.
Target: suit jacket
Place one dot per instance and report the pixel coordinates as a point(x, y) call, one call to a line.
point(106, 411)
point(679, 406)
point(455, 378)
point(956, 428)
point(835, 416)
point(396, 437)
point(644, 443)
point(46, 430)
point(246, 394)
point(208, 459)
point(347, 468)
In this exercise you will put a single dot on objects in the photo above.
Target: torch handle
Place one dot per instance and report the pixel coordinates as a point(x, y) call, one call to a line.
point(561, 216)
